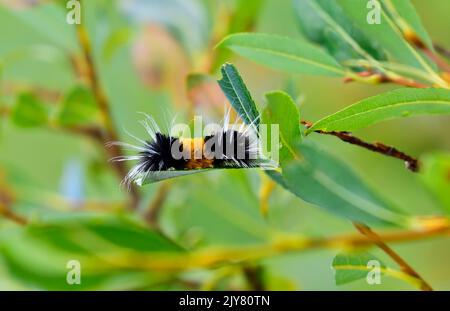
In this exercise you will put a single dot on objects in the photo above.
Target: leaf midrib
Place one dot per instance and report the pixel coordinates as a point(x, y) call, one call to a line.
point(294, 57)
point(397, 104)
point(237, 94)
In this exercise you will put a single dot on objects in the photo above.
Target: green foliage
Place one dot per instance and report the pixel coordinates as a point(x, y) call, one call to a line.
point(29, 111)
point(236, 215)
point(283, 53)
point(396, 104)
point(350, 267)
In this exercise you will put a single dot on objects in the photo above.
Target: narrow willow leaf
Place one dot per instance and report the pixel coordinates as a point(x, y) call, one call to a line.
point(29, 111)
point(153, 177)
point(325, 23)
point(399, 103)
point(351, 267)
point(325, 181)
point(386, 33)
point(435, 173)
point(406, 17)
point(237, 93)
point(283, 53)
point(281, 111)
point(78, 107)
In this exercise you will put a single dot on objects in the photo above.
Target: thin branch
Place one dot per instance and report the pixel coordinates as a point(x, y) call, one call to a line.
point(7, 213)
point(402, 81)
point(371, 76)
point(154, 210)
point(254, 276)
point(110, 133)
point(216, 256)
point(404, 266)
point(6, 200)
point(411, 163)
point(437, 59)
point(442, 50)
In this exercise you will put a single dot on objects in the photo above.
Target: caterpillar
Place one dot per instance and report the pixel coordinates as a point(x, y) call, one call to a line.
point(227, 147)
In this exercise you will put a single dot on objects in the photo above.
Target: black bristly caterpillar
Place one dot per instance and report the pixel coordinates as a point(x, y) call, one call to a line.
point(227, 147)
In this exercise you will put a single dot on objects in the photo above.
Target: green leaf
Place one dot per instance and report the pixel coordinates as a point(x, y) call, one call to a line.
point(325, 181)
point(406, 17)
point(435, 173)
point(325, 23)
point(386, 34)
point(78, 106)
point(29, 111)
point(283, 53)
point(237, 93)
point(281, 111)
point(399, 103)
point(153, 177)
point(351, 267)
point(38, 254)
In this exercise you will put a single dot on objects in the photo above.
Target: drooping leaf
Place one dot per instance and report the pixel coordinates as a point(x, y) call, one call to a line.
point(399, 103)
point(325, 23)
point(78, 106)
point(351, 267)
point(435, 172)
point(237, 93)
point(29, 111)
point(281, 111)
point(283, 53)
point(321, 179)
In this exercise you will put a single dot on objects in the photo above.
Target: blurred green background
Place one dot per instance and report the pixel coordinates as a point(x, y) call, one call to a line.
point(143, 51)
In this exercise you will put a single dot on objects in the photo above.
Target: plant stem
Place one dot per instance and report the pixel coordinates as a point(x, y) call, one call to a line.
point(253, 275)
point(110, 133)
point(435, 58)
point(6, 200)
point(283, 244)
point(411, 163)
point(442, 50)
point(154, 210)
point(404, 266)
